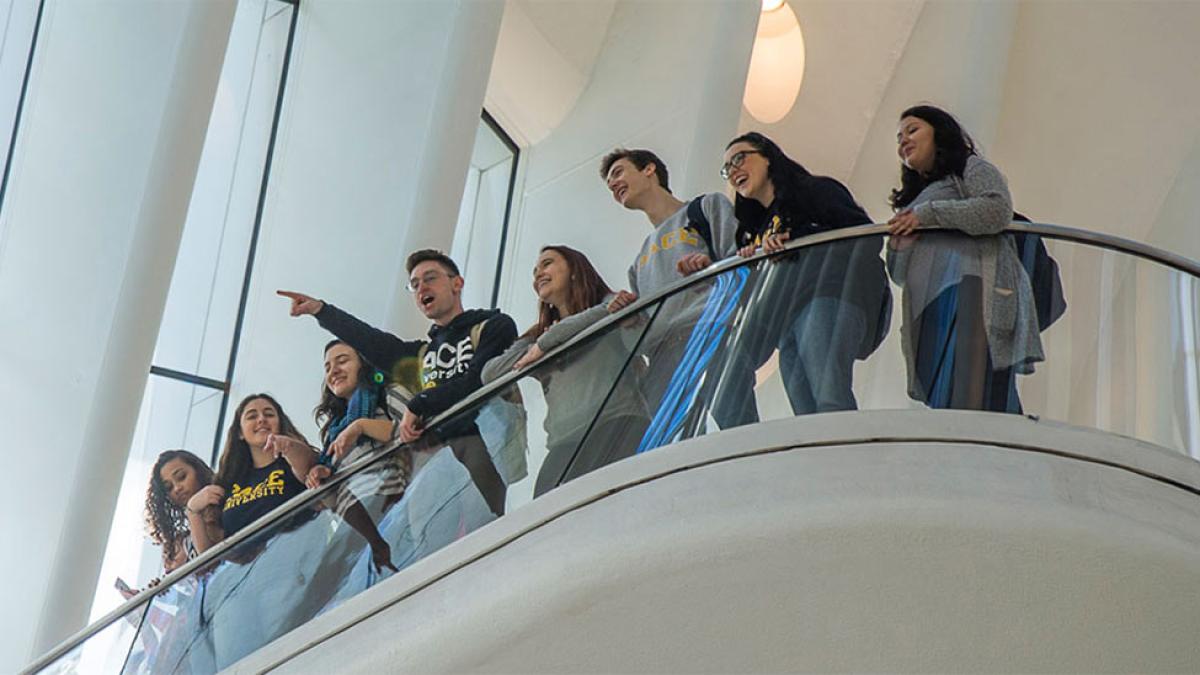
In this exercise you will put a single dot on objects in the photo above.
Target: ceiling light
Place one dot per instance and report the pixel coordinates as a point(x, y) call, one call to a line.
point(771, 5)
point(776, 66)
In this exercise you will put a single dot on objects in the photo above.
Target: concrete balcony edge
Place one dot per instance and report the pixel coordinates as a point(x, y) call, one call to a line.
point(1008, 432)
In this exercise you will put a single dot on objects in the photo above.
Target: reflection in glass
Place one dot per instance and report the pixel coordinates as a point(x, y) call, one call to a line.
point(108, 651)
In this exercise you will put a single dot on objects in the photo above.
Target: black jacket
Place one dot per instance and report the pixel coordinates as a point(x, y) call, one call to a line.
point(851, 270)
point(444, 369)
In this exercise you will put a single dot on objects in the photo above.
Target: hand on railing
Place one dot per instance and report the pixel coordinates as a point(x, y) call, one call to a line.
point(531, 355)
point(411, 427)
point(623, 300)
point(693, 263)
point(317, 475)
point(904, 222)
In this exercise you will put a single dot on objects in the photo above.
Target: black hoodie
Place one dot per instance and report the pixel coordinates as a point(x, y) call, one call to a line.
point(451, 360)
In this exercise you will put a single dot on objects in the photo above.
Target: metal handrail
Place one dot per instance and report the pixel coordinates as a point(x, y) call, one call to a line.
point(1060, 232)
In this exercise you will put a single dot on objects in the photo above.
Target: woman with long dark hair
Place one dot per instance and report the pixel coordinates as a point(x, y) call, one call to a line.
point(970, 324)
point(264, 463)
point(177, 475)
point(359, 413)
point(826, 305)
point(572, 296)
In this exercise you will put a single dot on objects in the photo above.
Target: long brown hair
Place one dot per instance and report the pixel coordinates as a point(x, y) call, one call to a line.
point(235, 458)
point(587, 289)
point(331, 408)
point(167, 523)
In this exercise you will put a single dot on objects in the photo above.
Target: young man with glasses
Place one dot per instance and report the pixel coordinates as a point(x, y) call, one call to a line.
point(687, 237)
point(444, 369)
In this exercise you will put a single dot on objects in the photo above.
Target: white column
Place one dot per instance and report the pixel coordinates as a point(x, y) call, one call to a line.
point(956, 58)
point(719, 95)
point(375, 137)
point(447, 144)
point(116, 116)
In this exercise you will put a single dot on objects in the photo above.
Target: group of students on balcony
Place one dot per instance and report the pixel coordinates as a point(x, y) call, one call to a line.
point(968, 326)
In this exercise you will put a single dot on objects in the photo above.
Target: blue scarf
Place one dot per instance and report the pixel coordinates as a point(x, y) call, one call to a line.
point(361, 405)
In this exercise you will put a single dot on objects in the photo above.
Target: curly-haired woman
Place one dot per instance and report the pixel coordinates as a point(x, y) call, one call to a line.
point(176, 477)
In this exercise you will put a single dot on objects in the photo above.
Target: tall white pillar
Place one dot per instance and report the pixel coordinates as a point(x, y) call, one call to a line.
point(957, 58)
point(448, 141)
point(375, 137)
point(116, 116)
point(718, 102)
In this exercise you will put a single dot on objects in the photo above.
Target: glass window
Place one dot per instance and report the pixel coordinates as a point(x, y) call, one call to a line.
point(480, 234)
point(186, 390)
point(19, 21)
point(202, 306)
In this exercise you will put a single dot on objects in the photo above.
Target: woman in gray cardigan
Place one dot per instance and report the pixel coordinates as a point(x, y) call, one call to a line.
point(571, 297)
point(970, 324)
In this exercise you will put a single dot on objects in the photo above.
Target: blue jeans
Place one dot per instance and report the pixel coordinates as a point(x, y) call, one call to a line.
point(816, 356)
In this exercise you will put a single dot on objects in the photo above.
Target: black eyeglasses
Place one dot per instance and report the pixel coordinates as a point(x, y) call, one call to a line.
point(428, 278)
point(735, 162)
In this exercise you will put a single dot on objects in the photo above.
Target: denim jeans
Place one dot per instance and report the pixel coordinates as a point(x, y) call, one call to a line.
point(816, 356)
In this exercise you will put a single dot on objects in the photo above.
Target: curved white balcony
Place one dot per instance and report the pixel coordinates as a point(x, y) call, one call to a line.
point(701, 524)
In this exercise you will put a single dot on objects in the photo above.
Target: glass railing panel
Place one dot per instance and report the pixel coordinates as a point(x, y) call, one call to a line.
point(574, 412)
point(390, 507)
point(1123, 356)
point(110, 650)
point(685, 366)
point(805, 318)
point(1072, 332)
point(941, 320)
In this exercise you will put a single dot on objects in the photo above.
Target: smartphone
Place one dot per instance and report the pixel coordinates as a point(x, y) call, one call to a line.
point(124, 589)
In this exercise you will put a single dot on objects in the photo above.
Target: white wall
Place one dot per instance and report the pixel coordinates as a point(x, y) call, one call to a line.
point(665, 79)
point(98, 194)
point(375, 137)
point(1099, 114)
point(955, 57)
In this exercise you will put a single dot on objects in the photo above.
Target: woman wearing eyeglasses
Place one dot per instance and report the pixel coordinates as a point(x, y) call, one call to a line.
point(825, 306)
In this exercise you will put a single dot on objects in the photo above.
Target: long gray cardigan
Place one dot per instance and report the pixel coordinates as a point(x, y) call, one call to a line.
point(979, 205)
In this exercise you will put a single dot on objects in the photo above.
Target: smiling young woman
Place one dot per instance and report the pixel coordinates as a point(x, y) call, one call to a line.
point(176, 477)
point(828, 305)
point(263, 465)
point(572, 296)
point(969, 324)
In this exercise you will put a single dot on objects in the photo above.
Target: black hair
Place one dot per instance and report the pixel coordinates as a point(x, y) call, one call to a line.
point(640, 159)
point(951, 146)
point(788, 177)
point(167, 523)
point(427, 254)
point(332, 408)
point(235, 460)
